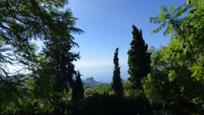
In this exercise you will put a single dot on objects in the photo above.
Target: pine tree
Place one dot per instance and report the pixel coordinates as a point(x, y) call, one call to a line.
point(138, 59)
point(77, 89)
point(117, 82)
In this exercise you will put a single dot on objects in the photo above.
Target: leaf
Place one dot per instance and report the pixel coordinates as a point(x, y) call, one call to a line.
point(172, 75)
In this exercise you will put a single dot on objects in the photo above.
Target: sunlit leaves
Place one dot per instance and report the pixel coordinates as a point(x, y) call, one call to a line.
point(198, 69)
point(169, 19)
point(172, 75)
point(184, 55)
point(151, 91)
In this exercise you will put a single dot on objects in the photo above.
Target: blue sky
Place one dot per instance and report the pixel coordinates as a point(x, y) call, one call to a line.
point(107, 25)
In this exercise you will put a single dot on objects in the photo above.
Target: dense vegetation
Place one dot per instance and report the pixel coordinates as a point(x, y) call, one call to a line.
point(169, 80)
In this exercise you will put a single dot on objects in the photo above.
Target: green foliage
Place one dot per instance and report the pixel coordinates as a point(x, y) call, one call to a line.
point(77, 90)
point(151, 90)
point(59, 42)
point(174, 84)
point(106, 88)
point(171, 75)
point(111, 105)
point(138, 59)
point(117, 82)
point(169, 19)
point(21, 23)
point(30, 105)
point(126, 85)
point(168, 87)
point(89, 92)
point(178, 67)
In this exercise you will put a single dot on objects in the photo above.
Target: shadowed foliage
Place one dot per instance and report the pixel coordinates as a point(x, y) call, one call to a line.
point(77, 89)
point(111, 105)
point(138, 59)
point(117, 82)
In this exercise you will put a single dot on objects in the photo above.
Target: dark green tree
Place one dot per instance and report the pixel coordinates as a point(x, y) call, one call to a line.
point(77, 89)
point(21, 22)
point(138, 59)
point(58, 43)
point(117, 82)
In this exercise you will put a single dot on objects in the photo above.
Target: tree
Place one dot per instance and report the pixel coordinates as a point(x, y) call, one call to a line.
point(183, 58)
point(138, 59)
point(21, 23)
point(58, 42)
point(117, 82)
point(77, 90)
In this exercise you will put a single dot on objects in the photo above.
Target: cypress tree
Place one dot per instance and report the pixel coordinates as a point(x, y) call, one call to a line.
point(77, 89)
point(117, 82)
point(138, 59)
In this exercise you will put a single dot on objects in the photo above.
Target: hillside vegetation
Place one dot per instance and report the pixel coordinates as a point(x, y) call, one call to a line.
point(164, 81)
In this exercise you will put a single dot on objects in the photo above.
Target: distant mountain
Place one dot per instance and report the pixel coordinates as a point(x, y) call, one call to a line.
point(90, 82)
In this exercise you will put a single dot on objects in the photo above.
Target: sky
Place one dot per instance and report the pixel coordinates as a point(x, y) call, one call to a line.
point(107, 24)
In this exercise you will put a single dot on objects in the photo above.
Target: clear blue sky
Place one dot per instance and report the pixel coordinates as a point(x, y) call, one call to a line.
point(107, 25)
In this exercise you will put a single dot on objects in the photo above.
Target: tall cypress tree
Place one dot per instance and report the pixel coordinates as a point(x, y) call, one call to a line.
point(117, 82)
point(77, 89)
point(138, 59)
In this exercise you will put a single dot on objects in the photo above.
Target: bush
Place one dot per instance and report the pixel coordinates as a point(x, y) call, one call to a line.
point(89, 92)
point(111, 105)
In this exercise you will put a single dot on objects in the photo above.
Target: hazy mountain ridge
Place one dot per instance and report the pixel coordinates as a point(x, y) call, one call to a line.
point(91, 82)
